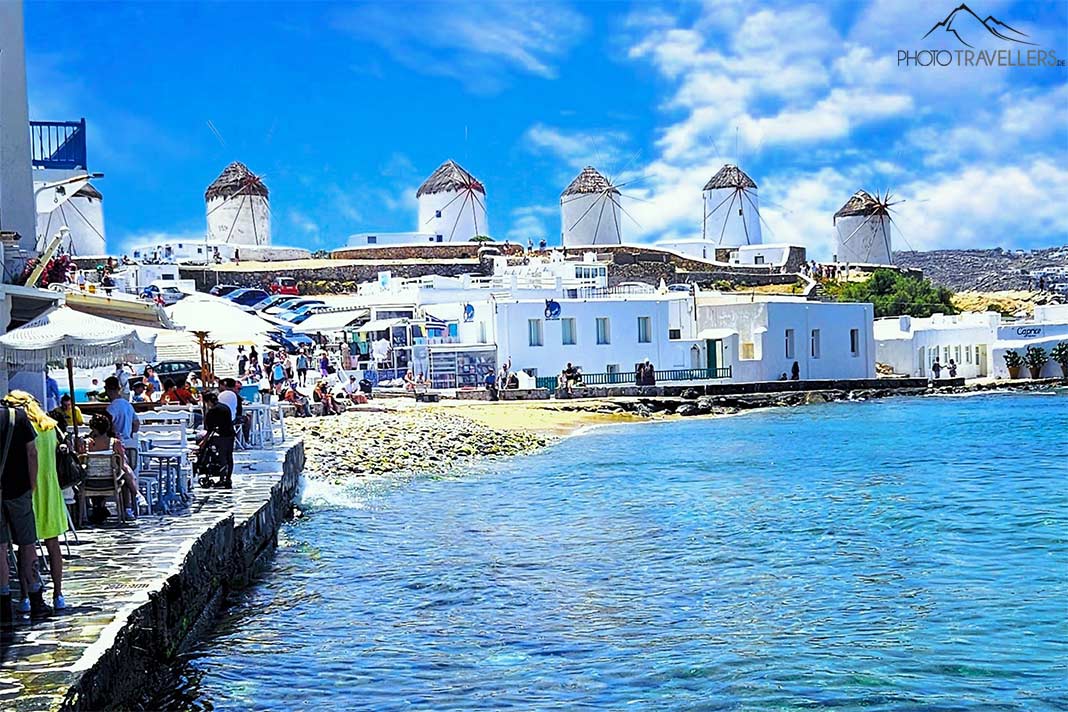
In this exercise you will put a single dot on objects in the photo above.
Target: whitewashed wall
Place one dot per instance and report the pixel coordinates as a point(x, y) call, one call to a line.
point(85, 223)
point(579, 227)
point(250, 219)
point(461, 219)
point(392, 239)
point(725, 226)
point(16, 175)
point(869, 244)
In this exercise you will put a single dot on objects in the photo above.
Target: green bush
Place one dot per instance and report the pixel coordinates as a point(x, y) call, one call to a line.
point(896, 294)
point(1059, 353)
point(1013, 359)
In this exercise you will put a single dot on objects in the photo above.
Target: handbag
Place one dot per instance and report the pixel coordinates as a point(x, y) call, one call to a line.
point(69, 470)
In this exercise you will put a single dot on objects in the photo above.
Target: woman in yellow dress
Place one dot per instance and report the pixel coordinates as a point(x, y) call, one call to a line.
point(49, 511)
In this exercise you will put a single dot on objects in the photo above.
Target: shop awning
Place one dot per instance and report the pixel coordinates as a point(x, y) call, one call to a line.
point(380, 325)
point(712, 334)
point(330, 321)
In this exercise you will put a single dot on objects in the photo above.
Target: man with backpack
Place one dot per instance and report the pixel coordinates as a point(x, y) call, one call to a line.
point(18, 479)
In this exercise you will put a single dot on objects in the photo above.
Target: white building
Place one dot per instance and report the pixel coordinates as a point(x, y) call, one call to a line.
point(394, 239)
point(201, 251)
point(590, 211)
point(16, 179)
point(452, 205)
point(862, 231)
point(761, 337)
point(731, 209)
point(237, 208)
point(975, 342)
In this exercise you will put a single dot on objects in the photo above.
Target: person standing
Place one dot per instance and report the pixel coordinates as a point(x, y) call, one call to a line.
point(49, 510)
point(302, 368)
point(124, 421)
point(17, 482)
point(51, 392)
point(936, 368)
point(952, 368)
point(219, 425)
point(123, 377)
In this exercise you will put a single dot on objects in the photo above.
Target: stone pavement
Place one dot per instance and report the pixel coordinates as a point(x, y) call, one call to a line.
point(112, 571)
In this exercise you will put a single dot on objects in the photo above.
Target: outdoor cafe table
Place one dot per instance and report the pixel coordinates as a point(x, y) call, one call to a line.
point(168, 464)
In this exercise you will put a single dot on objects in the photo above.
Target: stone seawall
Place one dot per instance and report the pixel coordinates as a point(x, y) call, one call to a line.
point(140, 593)
point(225, 556)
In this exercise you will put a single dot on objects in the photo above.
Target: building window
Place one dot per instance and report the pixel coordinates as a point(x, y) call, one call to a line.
point(790, 343)
point(437, 213)
point(854, 342)
point(611, 368)
point(645, 330)
point(967, 353)
point(567, 332)
point(372, 239)
point(945, 354)
point(748, 351)
point(956, 353)
point(604, 335)
point(815, 343)
point(758, 260)
point(534, 332)
point(674, 333)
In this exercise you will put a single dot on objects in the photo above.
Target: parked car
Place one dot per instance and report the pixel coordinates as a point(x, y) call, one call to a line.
point(163, 295)
point(292, 342)
point(292, 307)
point(221, 290)
point(284, 285)
point(275, 300)
point(176, 371)
point(247, 297)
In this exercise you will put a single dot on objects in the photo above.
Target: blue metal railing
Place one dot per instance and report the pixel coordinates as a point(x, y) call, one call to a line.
point(628, 379)
point(58, 144)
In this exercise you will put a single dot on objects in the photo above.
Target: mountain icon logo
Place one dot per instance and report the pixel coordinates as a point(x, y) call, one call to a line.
point(965, 25)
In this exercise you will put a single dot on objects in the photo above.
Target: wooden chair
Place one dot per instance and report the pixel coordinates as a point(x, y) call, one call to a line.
point(104, 478)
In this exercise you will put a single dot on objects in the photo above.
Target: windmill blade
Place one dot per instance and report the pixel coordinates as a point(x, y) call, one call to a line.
point(255, 232)
point(584, 214)
point(625, 166)
point(244, 184)
point(597, 227)
point(637, 179)
point(446, 205)
point(741, 214)
point(84, 219)
point(759, 216)
point(624, 211)
point(459, 214)
point(474, 215)
point(723, 230)
point(619, 228)
point(234, 223)
point(713, 210)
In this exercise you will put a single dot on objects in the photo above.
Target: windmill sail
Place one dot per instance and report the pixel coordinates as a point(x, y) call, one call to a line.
point(862, 229)
point(452, 204)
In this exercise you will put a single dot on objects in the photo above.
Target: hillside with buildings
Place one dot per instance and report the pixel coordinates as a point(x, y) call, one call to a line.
point(992, 270)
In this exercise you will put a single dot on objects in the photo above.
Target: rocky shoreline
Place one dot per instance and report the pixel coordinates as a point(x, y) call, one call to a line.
point(435, 438)
point(356, 444)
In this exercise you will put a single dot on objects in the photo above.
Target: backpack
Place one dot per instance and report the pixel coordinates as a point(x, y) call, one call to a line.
point(69, 470)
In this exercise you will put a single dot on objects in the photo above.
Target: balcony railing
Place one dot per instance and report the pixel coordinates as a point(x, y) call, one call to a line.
point(58, 144)
point(628, 379)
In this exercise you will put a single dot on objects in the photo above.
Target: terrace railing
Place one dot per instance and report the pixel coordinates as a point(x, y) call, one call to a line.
point(673, 375)
point(58, 144)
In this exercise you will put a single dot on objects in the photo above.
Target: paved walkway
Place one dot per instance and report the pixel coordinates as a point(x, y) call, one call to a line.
point(110, 572)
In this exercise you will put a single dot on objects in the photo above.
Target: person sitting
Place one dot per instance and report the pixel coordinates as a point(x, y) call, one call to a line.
point(71, 412)
point(323, 395)
point(783, 377)
point(139, 393)
point(409, 381)
point(571, 377)
point(292, 396)
point(513, 381)
point(102, 439)
point(175, 395)
point(352, 388)
point(366, 387)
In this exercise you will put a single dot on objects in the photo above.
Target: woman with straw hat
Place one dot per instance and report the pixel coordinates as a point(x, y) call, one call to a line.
point(49, 510)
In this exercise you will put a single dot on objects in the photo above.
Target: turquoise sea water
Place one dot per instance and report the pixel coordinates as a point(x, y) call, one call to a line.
point(902, 554)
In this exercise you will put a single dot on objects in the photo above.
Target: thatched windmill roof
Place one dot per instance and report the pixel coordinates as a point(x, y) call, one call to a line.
point(862, 203)
point(730, 176)
point(236, 179)
point(589, 181)
point(450, 176)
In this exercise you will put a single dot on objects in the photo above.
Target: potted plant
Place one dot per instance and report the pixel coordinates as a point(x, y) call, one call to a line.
point(1014, 362)
point(1036, 358)
point(1059, 354)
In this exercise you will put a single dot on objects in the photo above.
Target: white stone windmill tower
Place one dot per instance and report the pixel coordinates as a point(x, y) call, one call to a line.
point(731, 209)
point(862, 229)
point(238, 208)
point(590, 210)
point(452, 204)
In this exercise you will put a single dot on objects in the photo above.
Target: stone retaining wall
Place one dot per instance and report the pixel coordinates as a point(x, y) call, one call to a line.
point(136, 654)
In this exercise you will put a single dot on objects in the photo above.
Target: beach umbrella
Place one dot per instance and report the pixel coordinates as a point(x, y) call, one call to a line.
point(63, 335)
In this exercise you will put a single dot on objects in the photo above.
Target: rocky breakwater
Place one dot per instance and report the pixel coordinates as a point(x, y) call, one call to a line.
point(358, 444)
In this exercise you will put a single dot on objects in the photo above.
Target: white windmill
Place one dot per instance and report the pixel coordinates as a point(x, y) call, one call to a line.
point(452, 204)
point(862, 228)
point(590, 210)
point(731, 209)
point(238, 209)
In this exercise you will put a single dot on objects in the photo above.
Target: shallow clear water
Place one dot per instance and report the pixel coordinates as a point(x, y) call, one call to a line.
point(893, 555)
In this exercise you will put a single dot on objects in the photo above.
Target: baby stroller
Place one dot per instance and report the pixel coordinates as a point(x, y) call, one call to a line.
point(209, 466)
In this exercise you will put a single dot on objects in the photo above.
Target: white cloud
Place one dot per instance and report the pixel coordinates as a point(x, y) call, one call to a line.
point(479, 44)
point(577, 149)
point(529, 223)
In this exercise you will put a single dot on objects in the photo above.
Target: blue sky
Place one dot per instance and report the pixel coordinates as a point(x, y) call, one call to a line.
point(345, 109)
